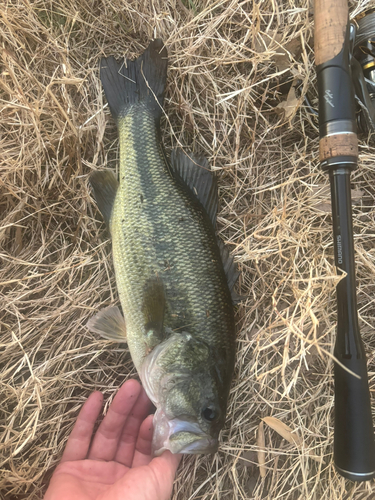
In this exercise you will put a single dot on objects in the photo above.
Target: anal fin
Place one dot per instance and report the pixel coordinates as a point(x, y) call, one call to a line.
point(104, 185)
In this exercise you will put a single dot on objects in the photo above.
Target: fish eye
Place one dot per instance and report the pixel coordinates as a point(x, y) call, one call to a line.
point(209, 414)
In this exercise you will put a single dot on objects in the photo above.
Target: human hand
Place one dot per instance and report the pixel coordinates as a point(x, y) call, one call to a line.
point(118, 463)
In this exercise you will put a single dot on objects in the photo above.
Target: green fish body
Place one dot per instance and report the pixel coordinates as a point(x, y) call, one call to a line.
point(172, 277)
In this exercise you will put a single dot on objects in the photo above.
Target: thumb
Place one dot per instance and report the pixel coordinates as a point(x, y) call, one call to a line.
point(147, 482)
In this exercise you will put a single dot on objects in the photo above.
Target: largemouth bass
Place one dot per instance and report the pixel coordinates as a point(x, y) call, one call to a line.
point(174, 277)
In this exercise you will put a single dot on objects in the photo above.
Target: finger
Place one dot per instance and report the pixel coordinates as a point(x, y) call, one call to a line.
point(165, 466)
point(79, 440)
point(152, 481)
point(164, 469)
point(127, 442)
point(167, 462)
point(106, 439)
point(142, 454)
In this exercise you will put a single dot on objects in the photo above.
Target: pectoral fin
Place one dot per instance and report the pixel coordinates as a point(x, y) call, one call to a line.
point(109, 323)
point(153, 307)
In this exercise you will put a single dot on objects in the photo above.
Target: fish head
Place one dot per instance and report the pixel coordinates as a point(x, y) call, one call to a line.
point(182, 377)
point(188, 418)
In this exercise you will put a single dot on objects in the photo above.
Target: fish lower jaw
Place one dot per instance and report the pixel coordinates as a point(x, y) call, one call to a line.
point(198, 445)
point(180, 436)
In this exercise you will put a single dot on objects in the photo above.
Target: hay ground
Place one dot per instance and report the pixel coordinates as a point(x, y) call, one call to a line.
point(229, 96)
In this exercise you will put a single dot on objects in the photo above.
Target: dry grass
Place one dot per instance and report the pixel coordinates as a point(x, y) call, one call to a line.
point(231, 65)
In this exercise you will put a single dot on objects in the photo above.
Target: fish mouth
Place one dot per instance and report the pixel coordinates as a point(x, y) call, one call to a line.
point(180, 436)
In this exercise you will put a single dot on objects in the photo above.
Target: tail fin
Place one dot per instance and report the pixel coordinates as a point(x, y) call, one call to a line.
point(141, 80)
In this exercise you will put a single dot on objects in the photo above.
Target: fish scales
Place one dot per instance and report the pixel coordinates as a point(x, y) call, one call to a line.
point(158, 229)
point(173, 277)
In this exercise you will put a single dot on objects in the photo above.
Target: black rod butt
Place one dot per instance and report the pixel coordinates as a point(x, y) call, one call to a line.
point(356, 476)
point(354, 446)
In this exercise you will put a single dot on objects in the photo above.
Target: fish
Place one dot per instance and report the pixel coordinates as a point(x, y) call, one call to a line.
point(174, 277)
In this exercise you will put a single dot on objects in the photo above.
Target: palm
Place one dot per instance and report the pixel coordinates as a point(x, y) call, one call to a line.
point(118, 464)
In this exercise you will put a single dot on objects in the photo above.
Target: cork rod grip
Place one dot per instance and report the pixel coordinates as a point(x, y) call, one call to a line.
point(331, 19)
point(344, 144)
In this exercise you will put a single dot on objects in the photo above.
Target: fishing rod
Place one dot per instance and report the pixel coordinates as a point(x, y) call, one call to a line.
point(335, 42)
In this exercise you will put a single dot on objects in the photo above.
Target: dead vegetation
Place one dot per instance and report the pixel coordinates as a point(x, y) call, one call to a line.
point(233, 73)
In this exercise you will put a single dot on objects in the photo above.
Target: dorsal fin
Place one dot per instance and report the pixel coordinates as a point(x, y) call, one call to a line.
point(195, 172)
point(231, 271)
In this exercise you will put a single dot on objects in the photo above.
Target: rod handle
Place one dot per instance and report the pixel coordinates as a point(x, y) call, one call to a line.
point(331, 18)
point(354, 447)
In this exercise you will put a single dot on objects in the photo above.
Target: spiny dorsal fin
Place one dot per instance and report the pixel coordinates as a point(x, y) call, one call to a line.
point(195, 172)
point(230, 269)
point(104, 185)
point(142, 80)
point(109, 323)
